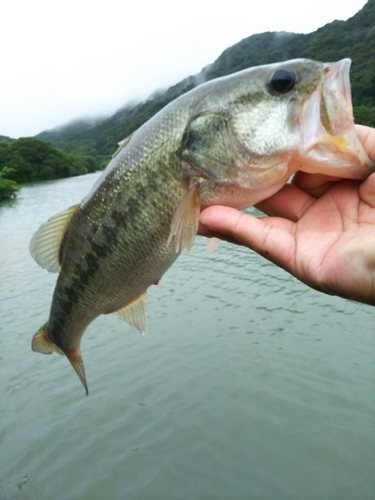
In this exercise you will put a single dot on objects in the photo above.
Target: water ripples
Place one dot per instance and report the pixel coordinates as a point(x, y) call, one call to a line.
point(246, 385)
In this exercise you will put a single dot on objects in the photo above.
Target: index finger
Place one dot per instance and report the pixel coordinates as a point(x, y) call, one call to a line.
point(290, 202)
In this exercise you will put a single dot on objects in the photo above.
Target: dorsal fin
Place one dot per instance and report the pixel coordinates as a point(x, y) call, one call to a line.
point(184, 225)
point(45, 244)
point(135, 313)
point(122, 144)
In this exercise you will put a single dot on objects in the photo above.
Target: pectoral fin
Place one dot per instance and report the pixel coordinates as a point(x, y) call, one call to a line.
point(46, 242)
point(135, 313)
point(184, 225)
point(212, 244)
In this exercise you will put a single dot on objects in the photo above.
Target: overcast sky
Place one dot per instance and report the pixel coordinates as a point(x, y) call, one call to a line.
point(80, 58)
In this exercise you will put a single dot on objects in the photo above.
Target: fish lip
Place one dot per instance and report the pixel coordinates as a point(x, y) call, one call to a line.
point(337, 93)
point(329, 143)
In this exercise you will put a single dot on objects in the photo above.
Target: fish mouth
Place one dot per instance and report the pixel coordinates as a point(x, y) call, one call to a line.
point(329, 142)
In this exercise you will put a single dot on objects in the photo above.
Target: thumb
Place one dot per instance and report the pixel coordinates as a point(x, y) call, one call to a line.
point(367, 190)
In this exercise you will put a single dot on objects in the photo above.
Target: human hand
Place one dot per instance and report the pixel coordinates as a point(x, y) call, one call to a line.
point(319, 230)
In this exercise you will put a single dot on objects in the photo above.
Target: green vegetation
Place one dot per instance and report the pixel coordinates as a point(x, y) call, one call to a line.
point(8, 188)
point(28, 160)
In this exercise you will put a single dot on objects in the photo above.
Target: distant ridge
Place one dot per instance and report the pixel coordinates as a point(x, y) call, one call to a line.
point(6, 139)
point(354, 38)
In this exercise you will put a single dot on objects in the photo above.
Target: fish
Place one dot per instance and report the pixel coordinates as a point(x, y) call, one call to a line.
point(233, 141)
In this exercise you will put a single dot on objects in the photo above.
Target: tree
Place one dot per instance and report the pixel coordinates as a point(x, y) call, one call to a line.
point(28, 160)
point(8, 188)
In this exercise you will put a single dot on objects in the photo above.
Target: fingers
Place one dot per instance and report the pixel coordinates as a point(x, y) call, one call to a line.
point(222, 220)
point(272, 238)
point(210, 233)
point(367, 136)
point(367, 191)
point(313, 184)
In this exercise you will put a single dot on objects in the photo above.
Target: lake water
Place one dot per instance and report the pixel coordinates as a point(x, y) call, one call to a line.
point(247, 385)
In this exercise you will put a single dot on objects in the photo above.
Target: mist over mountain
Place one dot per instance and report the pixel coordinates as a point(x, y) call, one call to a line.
point(73, 127)
point(354, 38)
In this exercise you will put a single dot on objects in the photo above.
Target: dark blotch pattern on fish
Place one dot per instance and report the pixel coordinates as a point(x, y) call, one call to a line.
point(92, 263)
point(142, 193)
point(101, 251)
point(110, 235)
point(64, 307)
point(132, 208)
point(119, 219)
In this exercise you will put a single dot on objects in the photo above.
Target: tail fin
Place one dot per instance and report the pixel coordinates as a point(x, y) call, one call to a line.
point(41, 343)
point(76, 361)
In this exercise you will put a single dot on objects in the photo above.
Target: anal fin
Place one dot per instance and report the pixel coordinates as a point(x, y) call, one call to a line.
point(135, 313)
point(41, 343)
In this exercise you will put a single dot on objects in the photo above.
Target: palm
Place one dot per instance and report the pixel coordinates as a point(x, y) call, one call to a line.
point(329, 246)
point(327, 242)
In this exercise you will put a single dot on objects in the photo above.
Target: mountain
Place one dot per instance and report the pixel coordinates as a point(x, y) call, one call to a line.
point(71, 128)
point(354, 38)
point(6, 139)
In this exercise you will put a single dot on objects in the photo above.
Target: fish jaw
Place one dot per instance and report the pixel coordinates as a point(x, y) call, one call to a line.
point(329, 143)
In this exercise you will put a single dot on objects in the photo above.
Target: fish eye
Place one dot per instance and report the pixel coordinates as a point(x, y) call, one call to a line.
point(282, 81)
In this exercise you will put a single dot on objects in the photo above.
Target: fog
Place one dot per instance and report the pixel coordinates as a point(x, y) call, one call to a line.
point(77, 59)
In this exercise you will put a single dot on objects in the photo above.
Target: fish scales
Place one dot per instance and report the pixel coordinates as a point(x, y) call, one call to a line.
point(234, 141)
point(132, 220)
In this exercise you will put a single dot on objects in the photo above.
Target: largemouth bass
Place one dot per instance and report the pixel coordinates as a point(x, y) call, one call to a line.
point(232, 141)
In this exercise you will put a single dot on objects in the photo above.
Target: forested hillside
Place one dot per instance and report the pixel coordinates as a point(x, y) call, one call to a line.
point(354, 38)
point(29, 159)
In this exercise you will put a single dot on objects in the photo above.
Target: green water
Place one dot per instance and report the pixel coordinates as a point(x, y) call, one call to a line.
point(247, 385)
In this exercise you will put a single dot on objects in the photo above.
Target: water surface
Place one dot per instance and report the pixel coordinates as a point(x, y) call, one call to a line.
point(247, 385)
